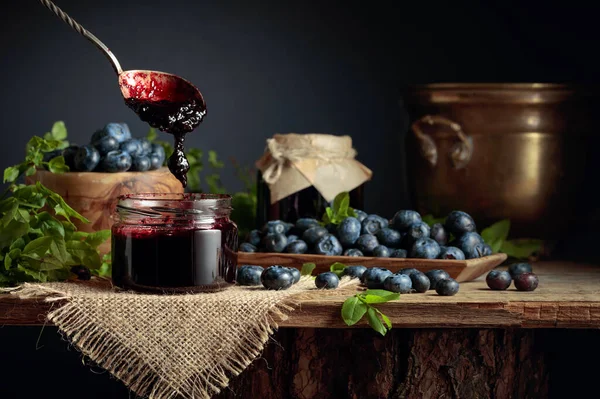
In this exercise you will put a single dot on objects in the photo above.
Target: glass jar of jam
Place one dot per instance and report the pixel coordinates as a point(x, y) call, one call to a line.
point(174, 243)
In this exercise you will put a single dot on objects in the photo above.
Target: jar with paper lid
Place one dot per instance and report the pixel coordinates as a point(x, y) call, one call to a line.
point(299, 175)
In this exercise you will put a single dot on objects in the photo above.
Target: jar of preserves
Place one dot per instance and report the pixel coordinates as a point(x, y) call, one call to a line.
point(174, 243)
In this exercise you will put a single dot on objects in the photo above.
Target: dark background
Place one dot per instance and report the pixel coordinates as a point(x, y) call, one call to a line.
point(263, 68)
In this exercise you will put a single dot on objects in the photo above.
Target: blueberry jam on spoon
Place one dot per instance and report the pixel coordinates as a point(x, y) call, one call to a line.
point(168, 103)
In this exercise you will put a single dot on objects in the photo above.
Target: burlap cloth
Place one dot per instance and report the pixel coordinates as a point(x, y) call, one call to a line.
point(171, 346)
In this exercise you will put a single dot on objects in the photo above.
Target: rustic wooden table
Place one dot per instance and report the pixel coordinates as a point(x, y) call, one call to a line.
point(479, 343)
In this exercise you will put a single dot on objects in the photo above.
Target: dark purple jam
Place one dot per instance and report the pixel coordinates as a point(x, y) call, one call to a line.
point(175, 117)
point(174, 259)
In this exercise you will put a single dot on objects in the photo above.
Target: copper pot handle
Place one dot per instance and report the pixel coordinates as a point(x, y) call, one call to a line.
point(461, 152)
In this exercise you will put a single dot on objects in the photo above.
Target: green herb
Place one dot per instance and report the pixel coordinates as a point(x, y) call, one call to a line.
point(496, 236)
point(105, 269)
point(339, 210)
point(337, 268)
point(38, 239)
point(307, 269)
point(355, 307)
point(431, 220)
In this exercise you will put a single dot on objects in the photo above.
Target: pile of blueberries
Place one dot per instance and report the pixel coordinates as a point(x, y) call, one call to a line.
point(406, 235)
point(405, 281)
point(112, 149)
point(521, 274)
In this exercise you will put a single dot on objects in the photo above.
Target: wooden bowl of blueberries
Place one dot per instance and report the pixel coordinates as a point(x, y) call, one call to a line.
point(112, 164)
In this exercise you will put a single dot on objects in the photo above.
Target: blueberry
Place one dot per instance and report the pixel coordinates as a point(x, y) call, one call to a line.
point(247, 247)
point(467, 243)
point(403, 219)
point(526, 281)
point(420, 282)
point(373, 223)
point(296, 273)
point(158, 149)
point(480, 250)
point(82, 272)
point(133, 147)
point(353, 252)
point(348, 231)
point(48, 156)
point(438, 233)
point(120, 131)
point(140, 164)
point(274, 242)
point(360, 215)
point(399, 253)
point(327, 280)
point(451, 253)
point(389, 237)
point(274, 227)
point(292, 238)
point(425, 248)
point(374, 277)
point(69, 155)
point(398, 283)
point(498, 280)
point(415, 232)
point(105, 144)
point(436, 275)
point(314, 234)
point(354, 271)
point(366, 243)
point(288, 227)
point(519, 268)
point(409, 271)
point(254, 237)
point(328, 245)
point(277, 278)
point(296, 247)
point(146, 146)
point(249, 275)
point(447, 287)
point(116, 161)
point(459, 222)
point(86, 158)
point(381, 251)
point(304, 224)
point(156, 162)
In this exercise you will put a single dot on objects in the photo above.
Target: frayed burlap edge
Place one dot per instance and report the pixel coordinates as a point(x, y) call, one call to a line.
point(108, 352)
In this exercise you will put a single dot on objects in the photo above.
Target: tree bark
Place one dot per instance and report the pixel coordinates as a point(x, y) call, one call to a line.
point(422, 363)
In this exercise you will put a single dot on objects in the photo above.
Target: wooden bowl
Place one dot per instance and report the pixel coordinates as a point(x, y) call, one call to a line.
point(460, 270)
point(94, 195)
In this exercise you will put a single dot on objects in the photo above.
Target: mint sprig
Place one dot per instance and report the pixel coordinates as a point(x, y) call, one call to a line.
point(38, 239)
point(355, 307)
point(339, 210)
point(496, 236)
point(307, 269)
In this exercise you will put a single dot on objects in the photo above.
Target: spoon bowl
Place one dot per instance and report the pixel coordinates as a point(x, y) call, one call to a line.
point(157, 86)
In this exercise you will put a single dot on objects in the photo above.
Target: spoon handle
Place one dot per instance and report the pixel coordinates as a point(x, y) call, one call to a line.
point(85, 33)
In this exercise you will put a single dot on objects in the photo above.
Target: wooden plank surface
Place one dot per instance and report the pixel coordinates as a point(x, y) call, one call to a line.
point(568, 296)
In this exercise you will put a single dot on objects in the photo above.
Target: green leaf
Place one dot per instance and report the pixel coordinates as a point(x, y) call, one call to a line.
point(431, 220)
point(34, 275)
point(353, 310)
point(375, 323)
point(496, 232)
point(352, 213)
point(385, 319)
point(521, 249)
point(307, 269)
point(83, 253)
point(58, 250)
point(48, 225)
point(11, 174)
point(59, 205)
point(10, 257)
point(337, 268)
point(341, 203)
point(387, 295)
point(10, 210)
point(12, 231)
point(105, 269)
point(18, 243)
point(213, 161)
point(50, 262)
point(30, 171)
point(97, 238)
point(59, 131)
point(38, 247)
point(57, 165)
point(151, 136)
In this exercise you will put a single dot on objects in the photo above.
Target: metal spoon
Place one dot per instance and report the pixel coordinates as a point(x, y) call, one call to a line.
point(137, 84)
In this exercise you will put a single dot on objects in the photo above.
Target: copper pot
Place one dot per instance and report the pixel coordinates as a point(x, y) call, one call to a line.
point(517, 151)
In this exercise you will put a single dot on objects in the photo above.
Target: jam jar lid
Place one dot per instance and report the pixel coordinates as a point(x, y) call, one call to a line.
point(173, 206)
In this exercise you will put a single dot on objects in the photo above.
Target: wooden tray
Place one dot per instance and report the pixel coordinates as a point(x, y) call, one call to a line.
point(460, 270)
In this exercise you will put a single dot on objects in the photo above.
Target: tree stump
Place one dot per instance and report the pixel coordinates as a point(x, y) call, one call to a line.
point(419, 363)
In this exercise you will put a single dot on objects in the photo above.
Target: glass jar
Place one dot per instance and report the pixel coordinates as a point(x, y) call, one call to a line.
point(174, 243)
point(306, 203)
